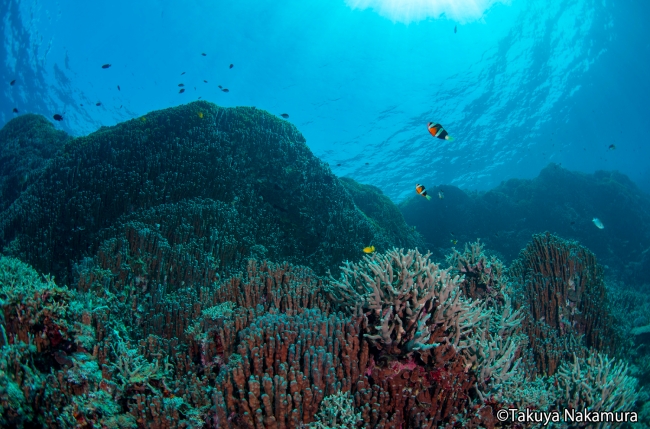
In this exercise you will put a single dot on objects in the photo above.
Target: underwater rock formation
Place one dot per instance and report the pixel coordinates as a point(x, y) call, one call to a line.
point(559, 201)
point(242, 157)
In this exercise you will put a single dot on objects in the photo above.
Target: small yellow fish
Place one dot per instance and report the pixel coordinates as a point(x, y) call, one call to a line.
point(201, 115)
point(143, 119)
point(369, 249)
point(454, 241)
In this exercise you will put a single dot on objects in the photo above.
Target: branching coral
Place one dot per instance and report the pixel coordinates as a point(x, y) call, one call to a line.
point(32, 305)
point(483, 274)
point(336, 412)
point(596, 383)
point(133, 370)
point(410, 304)
point(21, 393)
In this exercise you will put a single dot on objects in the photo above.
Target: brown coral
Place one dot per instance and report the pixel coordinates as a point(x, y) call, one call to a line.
point(561, 286)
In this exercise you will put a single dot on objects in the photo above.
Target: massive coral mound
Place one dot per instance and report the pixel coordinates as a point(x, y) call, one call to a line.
point(560, 285)
point(559, 201)
point(383, 214)
point(244, 157)
point(26, 143)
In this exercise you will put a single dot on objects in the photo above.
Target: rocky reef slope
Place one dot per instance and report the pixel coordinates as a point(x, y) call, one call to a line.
point(559, 201)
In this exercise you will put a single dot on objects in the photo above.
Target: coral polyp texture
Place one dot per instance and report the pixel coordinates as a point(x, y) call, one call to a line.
point(249, 160)
point(171, 273)
point(564, 296)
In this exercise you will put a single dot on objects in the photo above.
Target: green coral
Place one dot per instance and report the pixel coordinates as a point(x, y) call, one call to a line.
point(95, 409)
point(19, 384)
point(336, 412)
point(131, 368)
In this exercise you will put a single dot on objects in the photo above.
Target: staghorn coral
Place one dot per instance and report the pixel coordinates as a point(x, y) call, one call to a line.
point(596, 383)
point(409, 304)
point(336, 412)
point(411, 307)
point(483, 275)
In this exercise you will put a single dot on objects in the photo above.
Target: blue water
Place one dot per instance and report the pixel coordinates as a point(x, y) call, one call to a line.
point(519, 85)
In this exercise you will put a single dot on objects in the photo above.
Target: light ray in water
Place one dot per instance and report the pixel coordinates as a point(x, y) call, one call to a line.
point(408, 11)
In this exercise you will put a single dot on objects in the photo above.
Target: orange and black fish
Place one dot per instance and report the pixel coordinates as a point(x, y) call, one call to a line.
point(232, 65)
point(12, 82)
point(57, 117)
point(105, 66)
point(421, 190)
point(285, 115)
point(225, 90)
point(438, 131)
point(181, 91)
point(15, 110)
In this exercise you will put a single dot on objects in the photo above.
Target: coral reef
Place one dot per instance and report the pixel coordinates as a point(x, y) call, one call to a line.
point(265, 349)
point(336, 412)
point(242, 157)
point(507, 216)
point(561, 288)
point(27, 142)
point(164, 229)
point(385, 215)
point(483, 275)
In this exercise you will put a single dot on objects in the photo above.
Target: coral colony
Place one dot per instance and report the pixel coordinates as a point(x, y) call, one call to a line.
point(168, 304)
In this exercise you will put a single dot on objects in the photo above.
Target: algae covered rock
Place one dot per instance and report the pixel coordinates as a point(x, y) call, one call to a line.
point(245, 158)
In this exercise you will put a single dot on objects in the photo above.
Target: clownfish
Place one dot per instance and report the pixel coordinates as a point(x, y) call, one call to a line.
point(369, 249)
point(438, 131)
point(420, 189)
